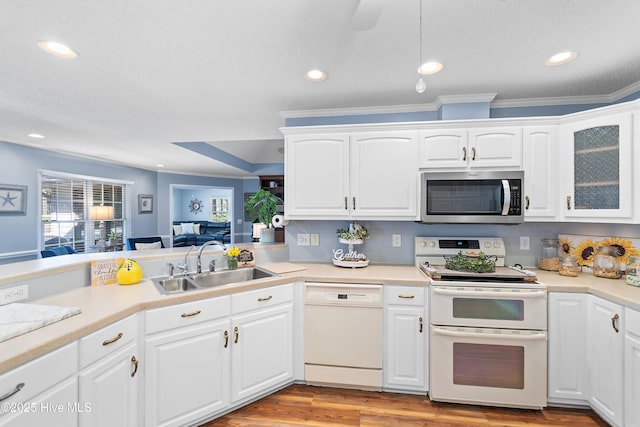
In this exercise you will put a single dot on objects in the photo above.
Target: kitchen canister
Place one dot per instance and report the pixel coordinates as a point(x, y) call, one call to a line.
point(606, 263)
point(549, 255)
point(569, 266)
point(633, 270)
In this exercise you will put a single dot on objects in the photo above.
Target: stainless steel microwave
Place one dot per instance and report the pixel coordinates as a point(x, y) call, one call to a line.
point(485, 197)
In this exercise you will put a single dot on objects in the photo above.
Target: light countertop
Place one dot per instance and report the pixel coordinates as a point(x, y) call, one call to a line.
point(101, 306)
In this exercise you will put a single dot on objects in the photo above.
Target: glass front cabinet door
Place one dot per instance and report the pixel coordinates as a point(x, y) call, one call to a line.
point(597, 162)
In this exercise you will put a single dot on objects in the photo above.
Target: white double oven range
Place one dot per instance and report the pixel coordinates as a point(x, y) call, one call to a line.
point(488, 331)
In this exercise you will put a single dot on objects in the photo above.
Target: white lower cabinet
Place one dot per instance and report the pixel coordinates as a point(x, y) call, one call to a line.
point(632, 367)
point(109, 375)
point(405, 364)
point(43, 392)
point(262, 344)
point(187, 362)
point(605, 358)
point(567, 348)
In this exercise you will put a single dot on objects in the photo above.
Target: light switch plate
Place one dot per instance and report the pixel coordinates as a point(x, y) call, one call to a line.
point(315, 240)
point(396, 240)
point(303, 239)
point(524, 243)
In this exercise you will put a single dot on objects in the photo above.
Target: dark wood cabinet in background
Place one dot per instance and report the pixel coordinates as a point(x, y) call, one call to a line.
point(275, 185)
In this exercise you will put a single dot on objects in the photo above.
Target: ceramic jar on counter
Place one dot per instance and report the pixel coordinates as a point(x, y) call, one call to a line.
point(633, 270)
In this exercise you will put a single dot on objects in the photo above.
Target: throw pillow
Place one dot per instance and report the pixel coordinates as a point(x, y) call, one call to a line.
point(143, 246)
point(196, 228)
point(187, 227)
point(177, 229)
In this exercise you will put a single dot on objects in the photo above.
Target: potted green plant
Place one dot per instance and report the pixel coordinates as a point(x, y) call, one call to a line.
point(355, 234)
point(113, 237)
point(263, 206)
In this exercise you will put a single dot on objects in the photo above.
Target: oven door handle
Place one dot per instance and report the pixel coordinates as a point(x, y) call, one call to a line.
point(460, 334)
point(536, 293)
point(506, 188)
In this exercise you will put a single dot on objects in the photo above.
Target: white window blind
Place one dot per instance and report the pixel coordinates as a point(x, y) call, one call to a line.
point(66, 203)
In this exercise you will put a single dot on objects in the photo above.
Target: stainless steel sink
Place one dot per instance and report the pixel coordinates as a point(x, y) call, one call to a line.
point(224, 277)
point(170, 285)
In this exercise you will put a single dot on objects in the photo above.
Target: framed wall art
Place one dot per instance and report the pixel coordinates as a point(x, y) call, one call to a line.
point(13, 199)
point(145, 203)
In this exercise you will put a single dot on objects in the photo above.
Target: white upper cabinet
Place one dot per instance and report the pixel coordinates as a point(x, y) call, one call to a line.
point(539, 161)
point(490, 147)
point(316, 176)
point(597, 168)
point(369, 175)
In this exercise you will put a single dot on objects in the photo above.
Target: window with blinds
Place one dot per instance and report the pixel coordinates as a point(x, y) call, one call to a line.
point(82, 212)
point(220, 209)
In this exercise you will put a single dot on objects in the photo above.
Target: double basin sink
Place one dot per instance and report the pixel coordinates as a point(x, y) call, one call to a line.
point(191, 282)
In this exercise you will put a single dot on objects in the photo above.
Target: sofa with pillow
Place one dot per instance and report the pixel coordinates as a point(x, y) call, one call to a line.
point(188, 233)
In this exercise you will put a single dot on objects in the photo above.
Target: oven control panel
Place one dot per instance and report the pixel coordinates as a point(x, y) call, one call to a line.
point(435, 249)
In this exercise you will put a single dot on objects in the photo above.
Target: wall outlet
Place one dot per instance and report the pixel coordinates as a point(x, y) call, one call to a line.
point(303, 239)
point(524, 243)
point(315, 240)
point(14, 293)
point(396, 240)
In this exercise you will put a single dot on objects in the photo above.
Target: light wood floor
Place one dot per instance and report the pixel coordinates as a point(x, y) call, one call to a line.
point(301, 405)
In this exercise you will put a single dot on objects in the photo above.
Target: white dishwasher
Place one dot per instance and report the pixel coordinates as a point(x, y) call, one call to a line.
point(343, 335)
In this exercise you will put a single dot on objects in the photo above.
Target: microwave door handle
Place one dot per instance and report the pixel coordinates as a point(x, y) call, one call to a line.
point(506, 189)
point(461, 334)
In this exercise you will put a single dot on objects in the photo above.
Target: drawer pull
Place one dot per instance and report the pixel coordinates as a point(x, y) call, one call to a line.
point(569, 202)
point(614, 319)
point(345, 203)
point(473, 155)
point(112, 340)
point(135, 366)
point(194, 313)
point(528, 202)
point(420, 321)
point(464, 154)
point(406, 296)
point(265, 298)
point(226, 339)
point(354, 203)
point(237, 333)
point(12, 392)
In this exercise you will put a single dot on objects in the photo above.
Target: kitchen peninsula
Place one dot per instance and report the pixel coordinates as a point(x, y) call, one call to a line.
point(104, 307)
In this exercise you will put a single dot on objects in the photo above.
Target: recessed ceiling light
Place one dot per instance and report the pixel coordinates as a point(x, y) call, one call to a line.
point(430, 68)
point(159, 166)
point(36, 135)
point(57, 49)
point(560, 58)
point(315, 75)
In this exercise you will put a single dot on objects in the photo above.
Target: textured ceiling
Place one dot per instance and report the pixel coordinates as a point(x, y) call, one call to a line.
point(154, 72)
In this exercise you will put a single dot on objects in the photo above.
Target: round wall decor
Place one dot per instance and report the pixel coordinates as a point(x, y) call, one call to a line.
point(195, 205)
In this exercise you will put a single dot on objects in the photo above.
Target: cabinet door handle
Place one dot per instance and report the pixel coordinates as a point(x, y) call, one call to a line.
point(112, 340)
point(226, 339)
point(354, 203)
point(194, 313)
point(406, 296)
point(614, 320)
point(135, 366)
point(12, 392)
point(526, 198)
point(568, 202)
point(420, 321)
point(237, 332)
point(473, 153)
point(464, 154)
point(265, 298)
point(346, 206)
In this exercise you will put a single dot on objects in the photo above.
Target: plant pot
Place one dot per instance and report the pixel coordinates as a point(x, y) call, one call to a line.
point(267, 235)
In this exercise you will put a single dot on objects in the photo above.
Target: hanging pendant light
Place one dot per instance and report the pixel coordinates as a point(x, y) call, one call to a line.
point(421, 86)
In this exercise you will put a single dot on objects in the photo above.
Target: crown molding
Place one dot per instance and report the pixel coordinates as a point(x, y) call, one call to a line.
point(457, 99)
